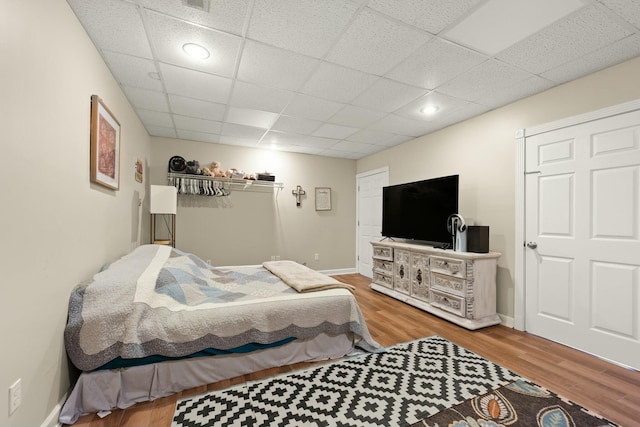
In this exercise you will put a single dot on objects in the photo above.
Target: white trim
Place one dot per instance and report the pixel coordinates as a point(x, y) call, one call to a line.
point(506, 321)
point(384, 169)
point(520, 191)
point(52, 418)
point(519, 272)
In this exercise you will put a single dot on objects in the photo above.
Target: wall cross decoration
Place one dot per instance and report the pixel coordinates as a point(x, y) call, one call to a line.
point(298, 192)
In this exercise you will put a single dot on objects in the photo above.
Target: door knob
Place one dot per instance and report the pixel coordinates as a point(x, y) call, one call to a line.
point(532, 245)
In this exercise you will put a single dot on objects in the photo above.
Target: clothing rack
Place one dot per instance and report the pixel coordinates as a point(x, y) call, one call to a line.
point(204, 185)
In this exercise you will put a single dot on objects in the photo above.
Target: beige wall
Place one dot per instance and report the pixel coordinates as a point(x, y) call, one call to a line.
point(482, 151)
point(57, 228)
point(250, 227)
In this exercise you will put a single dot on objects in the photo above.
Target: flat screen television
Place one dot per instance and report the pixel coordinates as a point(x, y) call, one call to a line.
point(419, 210)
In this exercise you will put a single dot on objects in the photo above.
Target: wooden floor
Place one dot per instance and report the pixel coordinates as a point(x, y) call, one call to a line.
point(607, 389)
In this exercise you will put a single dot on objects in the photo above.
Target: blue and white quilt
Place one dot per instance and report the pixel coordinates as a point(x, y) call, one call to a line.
point(159, 301)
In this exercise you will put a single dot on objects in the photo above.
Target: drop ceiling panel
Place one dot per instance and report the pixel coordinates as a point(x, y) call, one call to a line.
point(429, 15)
point(582, 33)
point(274, 67)
point(310, 107)
point(146, 99)
point(224, 15)
point(489, 76)
point(388, 95)
point(195, 84)
point(317, 73)
point(133, 71)
point(196, 108)
point(170, 35)
point(247, 95)
point(375, 44)
point(113, 25)
point(435, 63)
point(337, 83)
point(198, 125)
point(309, 27)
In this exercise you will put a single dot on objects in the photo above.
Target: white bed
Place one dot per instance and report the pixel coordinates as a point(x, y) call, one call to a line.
point(158, 301)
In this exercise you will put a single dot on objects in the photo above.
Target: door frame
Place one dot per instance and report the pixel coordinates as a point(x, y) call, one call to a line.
point(384, 169)
point(520, 208)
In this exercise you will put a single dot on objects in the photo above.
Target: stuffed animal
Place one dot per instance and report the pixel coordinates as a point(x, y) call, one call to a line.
point(207, 172)
point(217, 171)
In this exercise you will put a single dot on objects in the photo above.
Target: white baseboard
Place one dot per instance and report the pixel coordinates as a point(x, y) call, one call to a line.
point(506, 320)
point(52, 418)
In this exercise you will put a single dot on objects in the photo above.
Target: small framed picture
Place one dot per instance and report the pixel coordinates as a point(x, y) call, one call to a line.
point(105, 145)
point(323, 198)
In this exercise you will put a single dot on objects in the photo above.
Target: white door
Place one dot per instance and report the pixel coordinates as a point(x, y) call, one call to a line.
point(582, 232)
point(369, 213)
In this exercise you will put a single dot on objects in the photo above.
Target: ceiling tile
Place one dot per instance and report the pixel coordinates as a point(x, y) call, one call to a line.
point(604, 57)
point(628, 10)
point(352, 115)
point(487, 77)
point(369, 136)
point(402, 126)
point(270, 66)
point(355, 147)
point(247, 95)
point(388, 95)
point(310, 107)
point(147, 99)
point(435, 63)
point(132, 71)
point(241, 131)
point(223, 14)
point(518, 20)
point(374, 44)
point(236, 140)
point(249, 117)
point(516, 91)
point(581, 33)
point(113, 25)
point(165, 132)
point(337, 83)
point(444, 103)
point(429, 15)
point(154, 118)
point(334, 131)
point(195, 84)
point(309, 27)
point(196, 108)
point(198, 125)
point(296, 125)
point(170, 35)
point(197, 136)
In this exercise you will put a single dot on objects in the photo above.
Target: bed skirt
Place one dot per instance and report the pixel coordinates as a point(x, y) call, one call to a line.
point(106, 390)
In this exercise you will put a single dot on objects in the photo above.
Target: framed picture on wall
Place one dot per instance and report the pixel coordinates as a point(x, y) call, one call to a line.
point(105, 145)
point(323, 198)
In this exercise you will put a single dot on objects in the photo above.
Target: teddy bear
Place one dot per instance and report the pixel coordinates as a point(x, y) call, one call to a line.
point(217, 171)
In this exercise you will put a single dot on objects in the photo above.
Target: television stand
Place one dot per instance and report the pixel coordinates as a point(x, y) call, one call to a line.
point(457, 286)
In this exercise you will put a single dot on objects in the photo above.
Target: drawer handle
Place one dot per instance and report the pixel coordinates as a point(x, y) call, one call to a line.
point(419, 277)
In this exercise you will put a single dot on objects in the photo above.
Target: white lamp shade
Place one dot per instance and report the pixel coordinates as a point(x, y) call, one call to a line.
point(164, 199)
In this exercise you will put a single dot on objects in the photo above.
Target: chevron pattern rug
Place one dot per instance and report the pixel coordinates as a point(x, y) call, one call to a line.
point(401, 387)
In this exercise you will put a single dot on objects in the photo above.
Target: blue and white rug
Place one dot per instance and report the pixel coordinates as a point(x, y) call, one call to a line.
point(399, 387)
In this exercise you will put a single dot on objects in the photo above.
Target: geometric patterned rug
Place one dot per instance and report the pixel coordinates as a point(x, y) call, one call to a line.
point(400, 387)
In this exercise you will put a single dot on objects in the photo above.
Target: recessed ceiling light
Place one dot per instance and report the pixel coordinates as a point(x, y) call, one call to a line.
point(429, 109)
point(196, 51)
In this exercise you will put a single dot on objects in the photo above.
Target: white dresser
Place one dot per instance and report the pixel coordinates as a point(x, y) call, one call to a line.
point(457, 286)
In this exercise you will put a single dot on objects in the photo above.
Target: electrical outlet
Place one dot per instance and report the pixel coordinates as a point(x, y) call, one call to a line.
point(15, 396)
point(316, 257)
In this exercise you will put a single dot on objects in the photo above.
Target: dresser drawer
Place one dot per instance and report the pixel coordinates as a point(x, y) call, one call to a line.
point(448, 302)
point(451, 284)
point(381, 279)
point(453, 267)
point(383, 267)
point(383, 252)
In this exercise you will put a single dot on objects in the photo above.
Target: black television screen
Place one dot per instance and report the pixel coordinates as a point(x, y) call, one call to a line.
point(419, 210)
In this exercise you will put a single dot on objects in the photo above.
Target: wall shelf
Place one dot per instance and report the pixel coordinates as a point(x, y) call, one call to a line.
point(204, 185)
